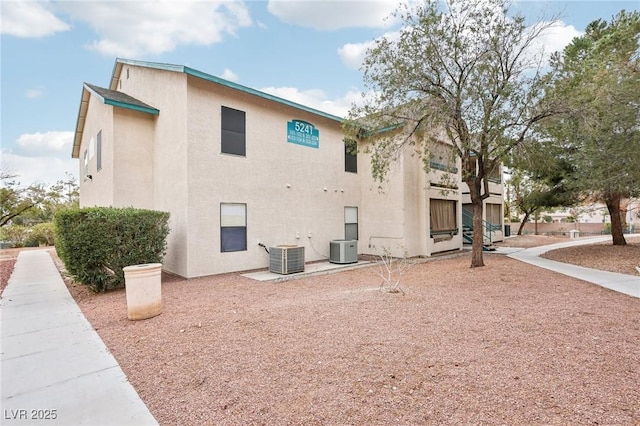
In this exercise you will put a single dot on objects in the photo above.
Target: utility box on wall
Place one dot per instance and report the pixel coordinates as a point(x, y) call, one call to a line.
point(343, 251)
point(286, 259)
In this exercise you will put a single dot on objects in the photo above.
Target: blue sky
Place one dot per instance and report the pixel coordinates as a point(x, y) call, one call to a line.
point(306, 51)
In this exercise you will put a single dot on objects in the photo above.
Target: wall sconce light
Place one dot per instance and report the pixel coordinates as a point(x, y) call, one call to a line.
point(89, 177)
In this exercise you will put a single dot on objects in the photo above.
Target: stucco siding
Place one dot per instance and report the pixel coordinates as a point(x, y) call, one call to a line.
point(97, 190)
point(291, 191)
point(133, 170)
point(294, 194)
point(383, 223)
point(166, 91)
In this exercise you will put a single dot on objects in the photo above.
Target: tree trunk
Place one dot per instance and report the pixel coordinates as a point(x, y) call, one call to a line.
point(478, 234)
point(524, 222)
point(613, 205)
point(478, 237)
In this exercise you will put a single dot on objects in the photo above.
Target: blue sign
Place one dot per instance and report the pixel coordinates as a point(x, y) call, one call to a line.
point(303, 133)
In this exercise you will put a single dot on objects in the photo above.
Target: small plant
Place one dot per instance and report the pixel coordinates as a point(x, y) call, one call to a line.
point(391, 269)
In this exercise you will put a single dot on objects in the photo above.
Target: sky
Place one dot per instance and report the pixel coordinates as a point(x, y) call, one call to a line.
point(309, 52)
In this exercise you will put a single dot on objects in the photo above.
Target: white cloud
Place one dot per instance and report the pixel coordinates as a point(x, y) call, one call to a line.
point(135, 28)
point(556, 38)
point(40, 169)
point(53, 142)
point(316, 98)
point(29, 19)
point(330, 15)
point(34, 93)
point(227, 74)
point(353, 54)
point(41, 157)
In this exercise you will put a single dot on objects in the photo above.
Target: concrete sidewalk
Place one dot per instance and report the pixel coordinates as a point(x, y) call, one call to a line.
point(55, 367)
point(622, 283)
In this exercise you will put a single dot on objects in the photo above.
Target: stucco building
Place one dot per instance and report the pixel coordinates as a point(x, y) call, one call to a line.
point(236, 168)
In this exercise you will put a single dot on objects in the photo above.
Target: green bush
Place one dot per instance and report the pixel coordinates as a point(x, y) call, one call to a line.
point(17, 235)
point(96, 243)
point(43, 233)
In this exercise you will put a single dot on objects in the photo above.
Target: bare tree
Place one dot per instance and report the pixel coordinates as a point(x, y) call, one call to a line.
point(469, 72)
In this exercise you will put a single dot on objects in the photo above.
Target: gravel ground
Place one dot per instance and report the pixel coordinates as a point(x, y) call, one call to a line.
point(622, 259)
point(505, 344)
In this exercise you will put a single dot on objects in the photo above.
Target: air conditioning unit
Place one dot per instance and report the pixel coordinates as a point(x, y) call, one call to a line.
point(343, 251)
point(286, 259)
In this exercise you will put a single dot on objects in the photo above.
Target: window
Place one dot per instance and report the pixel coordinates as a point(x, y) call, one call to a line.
point(350, 223)
point(494, 214)
point(233, 136)
point(494, 175)
point(233, 227)
point(350, 156)
point(92, 148)
point(99, 151)
point(86, 162)
point(443, 217)
point(441, 158)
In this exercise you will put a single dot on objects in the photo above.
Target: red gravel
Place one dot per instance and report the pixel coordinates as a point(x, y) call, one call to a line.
point(505, 344)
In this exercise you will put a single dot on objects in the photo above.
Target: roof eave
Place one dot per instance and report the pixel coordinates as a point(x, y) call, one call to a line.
point(117, 69)
point(126, 105)
point(82, 116)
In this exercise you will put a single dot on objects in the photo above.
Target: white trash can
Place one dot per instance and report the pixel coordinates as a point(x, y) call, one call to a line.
point(144, 290)
point(574, 233)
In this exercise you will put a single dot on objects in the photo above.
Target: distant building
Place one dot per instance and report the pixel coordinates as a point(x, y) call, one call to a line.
point(236, 167)
point(595, 213)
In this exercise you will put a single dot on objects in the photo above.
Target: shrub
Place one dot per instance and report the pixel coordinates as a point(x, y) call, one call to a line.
point(96, 243)
point(17, 235)
point(43, 233)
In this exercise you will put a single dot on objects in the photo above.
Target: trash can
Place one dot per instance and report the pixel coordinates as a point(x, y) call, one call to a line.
point(144, 290)
point(507, 230)
point(574, 233)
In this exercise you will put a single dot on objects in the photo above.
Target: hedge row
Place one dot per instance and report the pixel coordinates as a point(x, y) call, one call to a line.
point(96, 243)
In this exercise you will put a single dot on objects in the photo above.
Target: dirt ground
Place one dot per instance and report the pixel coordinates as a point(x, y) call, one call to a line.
point(508, 343)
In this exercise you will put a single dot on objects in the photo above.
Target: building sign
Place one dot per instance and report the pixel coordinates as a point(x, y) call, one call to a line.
point(303, 133)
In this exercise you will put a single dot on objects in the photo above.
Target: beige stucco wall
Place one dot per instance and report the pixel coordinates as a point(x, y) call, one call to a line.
point(382, 218)
point(166, 91)
point(97, 191)
point(282, 184)
point(133, 172)
point(396, 211)
point(294, 194)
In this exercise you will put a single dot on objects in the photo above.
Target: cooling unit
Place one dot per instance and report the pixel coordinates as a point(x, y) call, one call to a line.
point(343, 251)
point(286, 259)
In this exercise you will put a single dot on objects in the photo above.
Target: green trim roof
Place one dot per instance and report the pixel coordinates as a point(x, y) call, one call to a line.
point(217, 80)
point(119, 99)
point(107, 97)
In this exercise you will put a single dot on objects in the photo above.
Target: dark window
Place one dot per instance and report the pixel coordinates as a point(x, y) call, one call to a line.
point(99, 151)
point(233, 227)
point(350, 156)
point(233, 131)
point(350, 223)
